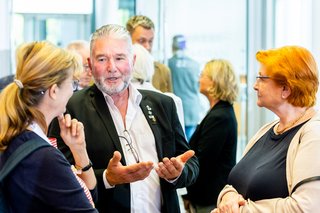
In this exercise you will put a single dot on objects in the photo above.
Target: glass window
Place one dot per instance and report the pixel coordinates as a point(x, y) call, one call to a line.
point(213, 29)
point(50, 20)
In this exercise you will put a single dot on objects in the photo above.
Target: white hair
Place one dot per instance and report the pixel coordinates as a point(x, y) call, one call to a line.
point(143, 68)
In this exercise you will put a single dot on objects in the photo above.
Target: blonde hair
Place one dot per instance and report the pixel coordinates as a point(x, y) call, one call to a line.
point(225, 86)
point(39, 66)
point(139, 20)
point(295, 67)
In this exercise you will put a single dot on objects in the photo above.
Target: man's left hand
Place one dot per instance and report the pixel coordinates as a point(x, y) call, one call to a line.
point(170, 169)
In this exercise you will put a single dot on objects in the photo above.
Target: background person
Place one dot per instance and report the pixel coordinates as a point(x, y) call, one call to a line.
point(4, 81)
point(82, 48)
point(134, 138)
point(185, 82)
point(215, 139)
point(143, 69)
point(141, 29)
point(280, 169)
point(44, 181)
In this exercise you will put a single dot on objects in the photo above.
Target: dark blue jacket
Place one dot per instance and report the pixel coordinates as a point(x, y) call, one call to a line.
point(43, 182)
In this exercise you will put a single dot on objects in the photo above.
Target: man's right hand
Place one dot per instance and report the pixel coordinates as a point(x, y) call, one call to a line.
point(119, 174)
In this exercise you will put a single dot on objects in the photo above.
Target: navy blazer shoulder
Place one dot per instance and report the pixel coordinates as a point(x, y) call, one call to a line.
point(43, 181)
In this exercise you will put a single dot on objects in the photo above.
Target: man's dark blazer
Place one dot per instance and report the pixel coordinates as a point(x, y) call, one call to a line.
point(215, 144)
point(89, 107)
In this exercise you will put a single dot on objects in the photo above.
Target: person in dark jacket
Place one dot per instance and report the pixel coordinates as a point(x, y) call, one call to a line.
point(44, 181)
point(134, 137)
point(215, 139)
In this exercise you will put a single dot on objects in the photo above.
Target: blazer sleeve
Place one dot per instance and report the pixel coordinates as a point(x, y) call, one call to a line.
point(191, 168)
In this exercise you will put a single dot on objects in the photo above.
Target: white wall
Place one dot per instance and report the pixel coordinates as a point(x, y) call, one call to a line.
point(316, 37)
point(5, 41)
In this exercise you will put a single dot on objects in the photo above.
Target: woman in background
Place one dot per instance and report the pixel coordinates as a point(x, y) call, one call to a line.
point(44, 181)
point(215, 139)
point(280, 169)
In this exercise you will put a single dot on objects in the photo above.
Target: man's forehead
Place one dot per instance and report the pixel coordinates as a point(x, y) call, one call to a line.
point(112, 48)
point(141, 31)
point(111, 43)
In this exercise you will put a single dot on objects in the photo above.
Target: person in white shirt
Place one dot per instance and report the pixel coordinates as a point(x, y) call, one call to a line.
point(143, 70)
point(134, 138)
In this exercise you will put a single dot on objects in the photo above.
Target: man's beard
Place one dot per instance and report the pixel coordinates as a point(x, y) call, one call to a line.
point(112, 90)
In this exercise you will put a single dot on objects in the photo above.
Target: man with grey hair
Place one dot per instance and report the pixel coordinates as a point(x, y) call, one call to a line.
point(134, 137)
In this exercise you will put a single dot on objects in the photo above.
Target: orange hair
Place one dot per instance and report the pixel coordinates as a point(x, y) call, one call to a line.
point(294, 67)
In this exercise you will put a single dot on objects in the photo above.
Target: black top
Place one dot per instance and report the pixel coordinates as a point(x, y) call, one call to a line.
point(261, 173)
point(215, 145)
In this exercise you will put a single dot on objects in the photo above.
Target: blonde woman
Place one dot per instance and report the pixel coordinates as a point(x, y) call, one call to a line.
point(215, 139)
point(44, 181)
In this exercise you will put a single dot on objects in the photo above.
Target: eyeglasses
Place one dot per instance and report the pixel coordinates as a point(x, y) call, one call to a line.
point(75, 85)
point(262, 77)
point(127, 138)
point(86, 68)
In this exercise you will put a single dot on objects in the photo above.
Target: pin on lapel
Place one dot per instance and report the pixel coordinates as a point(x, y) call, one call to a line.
point(150, 115)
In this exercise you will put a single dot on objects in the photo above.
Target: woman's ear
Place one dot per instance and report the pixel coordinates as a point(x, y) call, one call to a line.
point(286, 91)
point(52, 91)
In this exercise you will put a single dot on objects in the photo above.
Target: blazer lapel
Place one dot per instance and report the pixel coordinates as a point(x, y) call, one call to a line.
point(151, 116)
point(101, 107)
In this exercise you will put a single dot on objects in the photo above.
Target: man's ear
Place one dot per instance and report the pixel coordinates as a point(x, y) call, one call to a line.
point(89, 63)
point(286, 91)
point(52, 91)
point(134, 59)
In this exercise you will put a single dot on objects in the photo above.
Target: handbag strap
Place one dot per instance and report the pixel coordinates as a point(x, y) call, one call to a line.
point(19, 154)
point(307, 180)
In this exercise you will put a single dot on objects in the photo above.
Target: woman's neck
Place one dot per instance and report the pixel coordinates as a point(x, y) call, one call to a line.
point(213, 102)
point(293, 117)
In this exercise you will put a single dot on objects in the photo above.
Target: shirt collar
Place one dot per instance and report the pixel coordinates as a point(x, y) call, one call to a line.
point(34, 126)
point(134, 95)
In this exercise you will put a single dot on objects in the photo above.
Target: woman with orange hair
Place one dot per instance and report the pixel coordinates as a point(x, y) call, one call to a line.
point(280, 169)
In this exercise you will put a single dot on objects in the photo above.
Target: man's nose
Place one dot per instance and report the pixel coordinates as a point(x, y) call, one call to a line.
point(110, 65)
point(147, 46)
